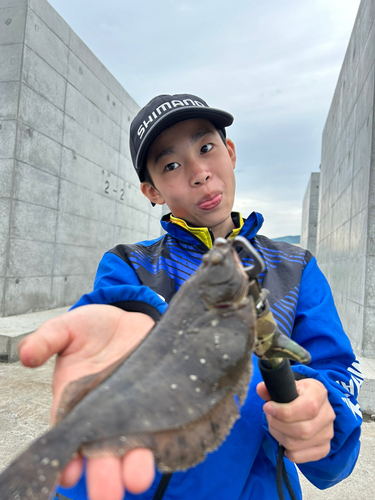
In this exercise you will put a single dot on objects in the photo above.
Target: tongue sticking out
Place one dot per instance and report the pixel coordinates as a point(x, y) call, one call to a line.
point(213, 203)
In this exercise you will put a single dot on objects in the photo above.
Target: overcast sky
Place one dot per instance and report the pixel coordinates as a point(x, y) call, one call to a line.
point(273, 64)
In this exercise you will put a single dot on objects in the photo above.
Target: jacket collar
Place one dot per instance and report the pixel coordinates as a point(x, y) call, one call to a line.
point(178, 228)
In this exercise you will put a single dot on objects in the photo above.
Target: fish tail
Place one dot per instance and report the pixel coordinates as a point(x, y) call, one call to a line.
point(33, 474)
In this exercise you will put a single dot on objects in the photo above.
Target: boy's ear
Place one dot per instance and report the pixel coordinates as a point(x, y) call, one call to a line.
point(232, 152)
point(152, 193)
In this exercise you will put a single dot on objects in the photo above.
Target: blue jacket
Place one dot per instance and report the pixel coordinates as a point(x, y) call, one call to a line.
point(144, 277)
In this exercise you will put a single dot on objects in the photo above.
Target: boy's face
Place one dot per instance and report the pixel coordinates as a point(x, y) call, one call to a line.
point(193, 173)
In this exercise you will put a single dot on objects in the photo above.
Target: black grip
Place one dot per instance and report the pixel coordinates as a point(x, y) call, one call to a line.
point(279, 381)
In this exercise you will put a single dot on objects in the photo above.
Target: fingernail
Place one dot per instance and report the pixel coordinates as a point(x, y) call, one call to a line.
point(269, 409)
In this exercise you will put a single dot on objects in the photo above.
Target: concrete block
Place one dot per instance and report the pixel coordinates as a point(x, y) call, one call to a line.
point(33, 222)
point(2, 286)
point(12, 22)
point(30, 258)
point(365, 100)
point(44, 42)
point(360, 191)
point(6, 175)
point(69, 289)
point(7, 139)
point(27, 294)
point(4, 217)
point(78, 170)
point(51, 18)
point(130, 104)
point(344, 205)
point(40, 114)
point(75, 260)
point(77, 200)
point(349, 95)
point(345, 174)
point(86, 82)
point(3, 261)
point(370, 230)
point(38, 150)
point(89, 146)
point(368, 343)
point(76, 230)
point(367, 58)
point(126, 171)
point(104, 236)
point(13, 3)
point(154, 228)
point(124, 235)
point(135, 199)
point(9, 92)
point(92, 118)
point(366, 397)
point(370, 281)
point(339, 277)
point(44, 80)
point(358, 234)
point(356, 277)
point(353, 321)
point(35, 186)
point(98, 69)
point(124, 142)
point(10, 57)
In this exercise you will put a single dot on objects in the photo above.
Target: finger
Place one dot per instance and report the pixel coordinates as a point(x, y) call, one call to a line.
point(312, 396)
point(72, 472)
point(304, 429)
point(262, 391)
point(138, 470)
point(309, 455)
point(293, 442)
point(104, 480)
point(51, 338)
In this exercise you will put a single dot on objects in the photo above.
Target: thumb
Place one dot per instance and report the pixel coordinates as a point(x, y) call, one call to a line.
point(262, 391)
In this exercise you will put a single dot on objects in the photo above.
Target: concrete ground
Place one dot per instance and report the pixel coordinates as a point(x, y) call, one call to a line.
point(25, 399)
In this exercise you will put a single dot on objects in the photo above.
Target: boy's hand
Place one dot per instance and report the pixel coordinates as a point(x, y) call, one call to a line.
point(305, 426)
point(87, 340)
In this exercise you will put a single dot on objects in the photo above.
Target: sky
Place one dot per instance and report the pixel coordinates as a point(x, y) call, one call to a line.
point(272, 64)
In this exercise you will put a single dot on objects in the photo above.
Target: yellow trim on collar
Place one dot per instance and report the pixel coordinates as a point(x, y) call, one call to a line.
point(203, 233)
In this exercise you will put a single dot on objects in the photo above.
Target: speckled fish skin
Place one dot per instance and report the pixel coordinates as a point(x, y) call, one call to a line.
point(174, 394)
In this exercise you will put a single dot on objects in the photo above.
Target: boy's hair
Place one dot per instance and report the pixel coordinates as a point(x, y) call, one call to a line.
point(147, 176)
point(162, 112)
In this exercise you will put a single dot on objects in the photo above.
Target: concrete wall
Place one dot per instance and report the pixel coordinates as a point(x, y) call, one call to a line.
point(310, 208)
point(68, 191)
point(346, 224)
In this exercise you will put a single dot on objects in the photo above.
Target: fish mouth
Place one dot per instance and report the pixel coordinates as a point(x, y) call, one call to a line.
point(210, 202)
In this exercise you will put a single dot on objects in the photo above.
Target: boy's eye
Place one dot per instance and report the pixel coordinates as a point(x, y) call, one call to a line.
point(171, 166)
point(206, 148)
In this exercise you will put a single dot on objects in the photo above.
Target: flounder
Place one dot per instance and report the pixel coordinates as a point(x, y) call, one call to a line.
point(174, 394)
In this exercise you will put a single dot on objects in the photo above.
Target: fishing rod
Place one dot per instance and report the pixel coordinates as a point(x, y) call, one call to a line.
point(274, 350)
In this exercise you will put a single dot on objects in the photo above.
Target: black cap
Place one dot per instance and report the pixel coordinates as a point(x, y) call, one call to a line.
point(162, 112)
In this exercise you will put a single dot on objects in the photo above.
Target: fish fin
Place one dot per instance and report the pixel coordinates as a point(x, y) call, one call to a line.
point(179, 448)
point(33, 475)
point(185, 446)
point(76, 390)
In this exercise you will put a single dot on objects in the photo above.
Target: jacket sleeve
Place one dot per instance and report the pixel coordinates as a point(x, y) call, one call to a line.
point(116, 283)
point(318, 329)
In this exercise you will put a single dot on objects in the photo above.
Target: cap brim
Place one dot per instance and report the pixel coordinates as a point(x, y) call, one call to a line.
point(219, 118)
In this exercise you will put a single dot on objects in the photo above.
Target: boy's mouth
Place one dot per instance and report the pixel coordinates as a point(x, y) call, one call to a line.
point(211, 202)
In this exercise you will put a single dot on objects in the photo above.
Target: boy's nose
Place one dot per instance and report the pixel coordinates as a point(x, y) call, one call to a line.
point(200, 175)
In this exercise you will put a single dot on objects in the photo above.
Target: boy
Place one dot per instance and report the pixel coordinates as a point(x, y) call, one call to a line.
point(182, 157)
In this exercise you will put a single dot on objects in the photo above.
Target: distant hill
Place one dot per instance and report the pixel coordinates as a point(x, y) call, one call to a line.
point(294, 240)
